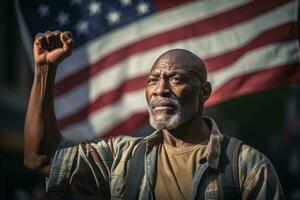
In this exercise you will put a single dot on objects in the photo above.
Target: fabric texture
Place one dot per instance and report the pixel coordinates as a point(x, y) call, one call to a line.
point(99, 168)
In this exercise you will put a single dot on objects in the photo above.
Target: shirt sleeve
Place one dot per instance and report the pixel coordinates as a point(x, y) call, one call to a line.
point(259, 179)
point(82, 169)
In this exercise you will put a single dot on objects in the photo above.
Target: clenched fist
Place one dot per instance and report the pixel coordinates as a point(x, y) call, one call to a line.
point(52, 47)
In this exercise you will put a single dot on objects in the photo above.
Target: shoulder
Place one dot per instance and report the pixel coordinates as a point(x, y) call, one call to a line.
point(250, 158)
point(255, 167)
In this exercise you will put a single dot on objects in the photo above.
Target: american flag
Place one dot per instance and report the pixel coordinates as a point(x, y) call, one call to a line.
point(247, 46)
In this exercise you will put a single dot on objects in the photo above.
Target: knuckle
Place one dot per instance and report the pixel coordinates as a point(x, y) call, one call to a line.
point(56, 33)
point(51, 34)
point(70, 42)
point(41, 39)
point(68, 33)
point(47, 33)
point(37, 36)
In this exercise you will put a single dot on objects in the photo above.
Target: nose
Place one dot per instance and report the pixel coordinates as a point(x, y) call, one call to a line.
point(162, 88)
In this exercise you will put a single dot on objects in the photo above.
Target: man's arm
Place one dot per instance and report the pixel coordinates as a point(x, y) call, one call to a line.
point(41, 130)
point(258, 178)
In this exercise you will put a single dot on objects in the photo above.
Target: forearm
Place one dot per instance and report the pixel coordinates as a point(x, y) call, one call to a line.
point(41, 130)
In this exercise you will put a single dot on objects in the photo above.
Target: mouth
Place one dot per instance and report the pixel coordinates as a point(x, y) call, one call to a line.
point(163, 107)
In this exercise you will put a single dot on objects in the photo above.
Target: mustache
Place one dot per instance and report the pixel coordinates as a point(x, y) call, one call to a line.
point(163, 101)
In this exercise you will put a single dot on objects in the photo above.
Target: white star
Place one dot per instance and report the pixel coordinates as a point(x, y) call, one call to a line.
point(74, 2)
point(113, 17)
point(126, 2)
point(82, 27)
point(43, 10)
point(62, 19)
point(94, 8)
point(142, 8)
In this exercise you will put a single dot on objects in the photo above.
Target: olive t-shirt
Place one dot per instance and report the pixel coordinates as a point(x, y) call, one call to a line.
point(175, 170)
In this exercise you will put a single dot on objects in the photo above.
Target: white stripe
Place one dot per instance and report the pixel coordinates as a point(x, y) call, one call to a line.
point(103, 120)
point(235, 36)
point(26, 37)
point(137, 65)
point(158, 23)
point(266, 57)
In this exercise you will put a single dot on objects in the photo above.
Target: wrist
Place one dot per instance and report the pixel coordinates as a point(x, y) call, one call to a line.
point(45, 70)
point(45, 73)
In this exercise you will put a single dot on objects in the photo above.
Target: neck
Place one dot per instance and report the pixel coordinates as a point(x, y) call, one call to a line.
point(194, 131)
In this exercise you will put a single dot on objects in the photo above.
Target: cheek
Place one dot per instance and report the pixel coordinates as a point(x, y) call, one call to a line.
point(190, 97)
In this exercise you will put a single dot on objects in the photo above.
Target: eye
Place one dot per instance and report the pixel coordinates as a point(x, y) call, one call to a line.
point(175, 80)
point(152, 80)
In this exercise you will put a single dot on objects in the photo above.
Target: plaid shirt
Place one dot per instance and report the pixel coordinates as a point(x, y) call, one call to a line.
point(99, 168)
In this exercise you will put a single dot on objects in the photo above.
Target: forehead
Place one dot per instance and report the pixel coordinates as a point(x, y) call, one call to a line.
point(167, 65)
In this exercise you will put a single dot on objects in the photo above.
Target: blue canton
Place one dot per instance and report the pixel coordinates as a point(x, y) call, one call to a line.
point(86, 19)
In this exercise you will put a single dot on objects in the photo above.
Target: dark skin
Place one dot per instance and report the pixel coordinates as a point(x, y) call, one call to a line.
point(179, 72)
point(41, 130)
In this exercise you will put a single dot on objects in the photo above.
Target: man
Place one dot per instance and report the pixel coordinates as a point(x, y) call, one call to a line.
point(182, 158)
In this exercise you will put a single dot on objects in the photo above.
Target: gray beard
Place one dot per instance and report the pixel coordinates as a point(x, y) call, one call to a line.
point(181, 115)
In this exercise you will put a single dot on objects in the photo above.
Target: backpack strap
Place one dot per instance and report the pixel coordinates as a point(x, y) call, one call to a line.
point(229, 169)
point(135, 172)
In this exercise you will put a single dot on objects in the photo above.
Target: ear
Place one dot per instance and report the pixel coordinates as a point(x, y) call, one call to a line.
point(206, 91)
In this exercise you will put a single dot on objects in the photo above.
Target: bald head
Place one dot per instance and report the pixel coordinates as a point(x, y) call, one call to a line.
point(176, 89)
point(184, 59)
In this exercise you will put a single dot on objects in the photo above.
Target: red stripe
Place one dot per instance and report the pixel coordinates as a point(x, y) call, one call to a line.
point(212, 24)
point(104, 100)
point(254, 82)
point(279, 34)
point(163, 5)
point(129, 126)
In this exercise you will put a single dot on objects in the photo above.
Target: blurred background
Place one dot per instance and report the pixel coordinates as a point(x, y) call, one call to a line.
point(267, 120)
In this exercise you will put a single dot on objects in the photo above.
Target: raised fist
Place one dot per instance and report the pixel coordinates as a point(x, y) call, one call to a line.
point(52, 47)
